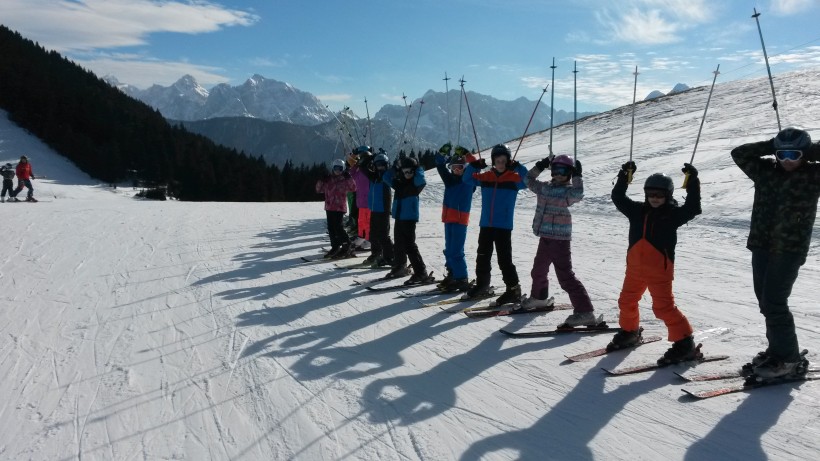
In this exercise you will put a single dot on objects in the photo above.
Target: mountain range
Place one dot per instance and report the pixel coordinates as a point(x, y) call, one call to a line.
point(277, 121)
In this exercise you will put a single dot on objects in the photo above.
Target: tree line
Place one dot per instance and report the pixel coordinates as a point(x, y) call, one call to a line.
point(115, 138)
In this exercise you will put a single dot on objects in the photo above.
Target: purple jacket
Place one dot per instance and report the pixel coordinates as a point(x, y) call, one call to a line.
point(362, 186)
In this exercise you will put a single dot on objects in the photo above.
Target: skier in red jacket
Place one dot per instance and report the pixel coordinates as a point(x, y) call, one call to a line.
point(24, 177)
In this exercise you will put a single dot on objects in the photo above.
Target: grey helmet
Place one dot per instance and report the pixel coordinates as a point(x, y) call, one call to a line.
point(661, 182)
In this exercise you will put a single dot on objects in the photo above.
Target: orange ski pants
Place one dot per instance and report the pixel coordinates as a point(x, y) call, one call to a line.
point(663, 306)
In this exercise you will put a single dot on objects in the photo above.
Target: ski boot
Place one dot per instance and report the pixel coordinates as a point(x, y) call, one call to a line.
point(454, 285)
point(682, 350)
point(773, 368)
point(512, 295)
point(624, 339)
point(533, 303)
point(331, 253)
point(420, 278)
point(398, 272)
point(582, 319)
point(479, 290)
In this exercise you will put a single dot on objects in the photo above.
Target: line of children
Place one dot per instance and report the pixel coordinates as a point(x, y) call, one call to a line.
point(335, 187)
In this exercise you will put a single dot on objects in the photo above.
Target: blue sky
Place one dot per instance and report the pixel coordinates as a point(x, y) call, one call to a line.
point(346, 51)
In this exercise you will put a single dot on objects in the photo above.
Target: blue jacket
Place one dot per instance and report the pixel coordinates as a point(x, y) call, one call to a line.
point(458, 197)
point(379, 195)
point(406, 204)
point(498, 194)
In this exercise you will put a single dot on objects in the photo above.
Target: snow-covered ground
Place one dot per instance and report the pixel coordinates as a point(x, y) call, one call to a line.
point(134, 329)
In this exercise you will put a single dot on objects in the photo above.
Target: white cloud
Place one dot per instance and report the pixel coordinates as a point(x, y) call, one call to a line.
point(143, 72)
point(654, 22)
point(790, 7)
point(83, 25)
point(338, 97)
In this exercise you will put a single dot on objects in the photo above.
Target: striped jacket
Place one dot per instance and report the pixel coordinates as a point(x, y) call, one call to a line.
point(552, 217)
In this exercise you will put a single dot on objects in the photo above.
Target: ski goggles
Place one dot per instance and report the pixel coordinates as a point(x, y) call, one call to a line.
point(338, 168)
point(560, 171)
point(380, 164)
point(791, 155)
point(407, 170)
point(457, 167)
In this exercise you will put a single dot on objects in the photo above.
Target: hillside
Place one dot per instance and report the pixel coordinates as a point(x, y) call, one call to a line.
point(174, 330)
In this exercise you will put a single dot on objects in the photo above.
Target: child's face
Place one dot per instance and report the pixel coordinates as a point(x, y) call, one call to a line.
point(457, 169)
point(560, 174)
point(500, 163)
point(655, 197)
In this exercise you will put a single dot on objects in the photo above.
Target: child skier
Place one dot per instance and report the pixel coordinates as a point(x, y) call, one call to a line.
point(335, 186)
point(650, 259)
point(356, 159)
point(379, 199)
point(785, 206)
point(7, 171)
point(408, 182)
point(499, 190)
point(455, 214)
point(24, 177)
point(553, 224)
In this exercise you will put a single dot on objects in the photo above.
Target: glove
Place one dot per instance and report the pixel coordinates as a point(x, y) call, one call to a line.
point(629, 166)
point(32, 177)
point(689, 169)
point(346, 174)
point(543, 164)
point(462, 151)
point(513, 165)
point(445, 149)
point(479, 164)
point(577, 168)
point(440, 159)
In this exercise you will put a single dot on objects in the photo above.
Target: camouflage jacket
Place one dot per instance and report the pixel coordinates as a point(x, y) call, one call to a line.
point(785, 203)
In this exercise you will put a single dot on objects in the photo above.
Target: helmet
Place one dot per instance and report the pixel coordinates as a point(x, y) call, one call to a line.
point(792, 138)
point(564, 160)
point(23, 157)
point(660, 181)
point(500, 149)
point(409, 162)
point(380, 159)
point(338, 163)
point(362, 149)
point(8, 165)
point(457, 160)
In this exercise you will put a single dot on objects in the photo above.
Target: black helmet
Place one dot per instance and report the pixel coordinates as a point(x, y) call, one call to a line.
point(500, 149)
point(409, 162)
point(457, 160)
point(363, 149)
point(792, 138)
point(660, 181)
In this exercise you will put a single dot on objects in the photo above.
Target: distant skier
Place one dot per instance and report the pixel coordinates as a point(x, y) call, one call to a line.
point(408, 182)
point(335, 187)
point(7, 171)
point(455, 214)
point(650, 259)
point(785, 207)
point(499, 190)
point(24, 177)
point(553, 224)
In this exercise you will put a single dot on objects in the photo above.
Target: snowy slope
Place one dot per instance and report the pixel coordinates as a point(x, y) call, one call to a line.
point(142, 330)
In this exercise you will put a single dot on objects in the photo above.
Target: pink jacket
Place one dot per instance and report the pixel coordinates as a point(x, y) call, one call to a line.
point(335, 188)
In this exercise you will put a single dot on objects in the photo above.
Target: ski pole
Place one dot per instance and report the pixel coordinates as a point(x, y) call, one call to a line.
point(342, 125)
point(369, 126)
point(421, 106)
point(692, 160)
point(467, 103)
point(768, 69)
point(632, 131)
point(528, 123)
point(406, 116)
point(575, 116)
point(552, 101)
point(447, 105)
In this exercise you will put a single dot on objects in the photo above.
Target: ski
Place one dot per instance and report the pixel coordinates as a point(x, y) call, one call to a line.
point(402, 286)
point(486, 312)
point(328, 260)
point(695, 377)
point(648, 366)
point(730, 386)
point(458, 300)
point(359, 265)
point(602, 327)
point(604, 351)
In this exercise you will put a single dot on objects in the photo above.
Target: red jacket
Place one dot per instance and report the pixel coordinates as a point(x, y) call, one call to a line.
point(23, 170)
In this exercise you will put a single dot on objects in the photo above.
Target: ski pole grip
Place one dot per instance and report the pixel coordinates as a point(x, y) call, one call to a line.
point(685, 181)
point(629, 176)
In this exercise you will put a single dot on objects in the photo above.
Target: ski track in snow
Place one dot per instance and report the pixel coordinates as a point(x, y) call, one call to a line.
point(164, 330)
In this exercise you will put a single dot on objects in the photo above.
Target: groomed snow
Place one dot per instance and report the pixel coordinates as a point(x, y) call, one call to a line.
point(135, 329)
